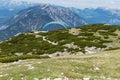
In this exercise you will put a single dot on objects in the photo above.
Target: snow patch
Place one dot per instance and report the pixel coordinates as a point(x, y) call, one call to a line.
point(15, 16)
point(4, 27)
point(11, 9)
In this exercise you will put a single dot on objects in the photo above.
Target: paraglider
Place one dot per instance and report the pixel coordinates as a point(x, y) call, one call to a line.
point(55, 22)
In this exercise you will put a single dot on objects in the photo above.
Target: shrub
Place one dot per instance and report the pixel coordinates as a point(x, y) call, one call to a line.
point(16, 58)
point(86, 34)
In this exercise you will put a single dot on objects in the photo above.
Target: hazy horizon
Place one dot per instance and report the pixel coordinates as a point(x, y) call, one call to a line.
point(114, 4)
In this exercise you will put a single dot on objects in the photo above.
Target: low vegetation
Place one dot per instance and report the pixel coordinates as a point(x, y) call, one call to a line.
point(99, 66)
point(23, 57)
point(101, 36)
point(30, 55)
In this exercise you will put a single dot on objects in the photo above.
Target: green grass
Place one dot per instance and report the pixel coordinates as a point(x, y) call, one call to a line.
point(72, 66)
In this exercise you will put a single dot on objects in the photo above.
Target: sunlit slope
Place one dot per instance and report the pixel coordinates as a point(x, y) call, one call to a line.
point(99, 66)
point(99, 37)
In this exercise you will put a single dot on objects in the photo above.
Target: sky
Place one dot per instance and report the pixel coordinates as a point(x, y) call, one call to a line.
point(82, 3)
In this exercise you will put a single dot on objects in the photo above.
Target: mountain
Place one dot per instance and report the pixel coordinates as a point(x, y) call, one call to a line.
point(15, 4)
point(5, 15)
point(99, 15)
point(10, 7)
point(34, 18)
point(86, 39)
point(91, 15)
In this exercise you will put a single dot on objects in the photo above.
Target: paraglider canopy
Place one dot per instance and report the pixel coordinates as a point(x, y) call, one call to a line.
point(54, 22)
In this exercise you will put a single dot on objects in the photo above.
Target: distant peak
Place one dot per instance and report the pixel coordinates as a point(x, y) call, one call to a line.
point(45, 5)
point(14, 2)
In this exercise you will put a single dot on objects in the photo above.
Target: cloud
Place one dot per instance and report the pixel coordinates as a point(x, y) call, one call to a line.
point(82, 3)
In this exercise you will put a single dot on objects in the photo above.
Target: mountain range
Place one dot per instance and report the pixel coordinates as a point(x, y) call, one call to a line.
point(99, 15)
point(10, 7)
point(34, 18)
point(91, 15)
point(15, 4)
point(21, 16)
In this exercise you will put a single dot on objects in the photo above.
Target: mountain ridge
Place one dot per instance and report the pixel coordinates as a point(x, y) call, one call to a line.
point(36, 17)
point(15, 4)
point(99, 15)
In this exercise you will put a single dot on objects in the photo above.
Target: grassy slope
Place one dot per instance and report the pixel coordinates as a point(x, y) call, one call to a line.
point(73, 67)
point(28, 43)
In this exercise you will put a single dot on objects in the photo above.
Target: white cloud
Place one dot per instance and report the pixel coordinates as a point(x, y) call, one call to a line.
point(81, 3)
